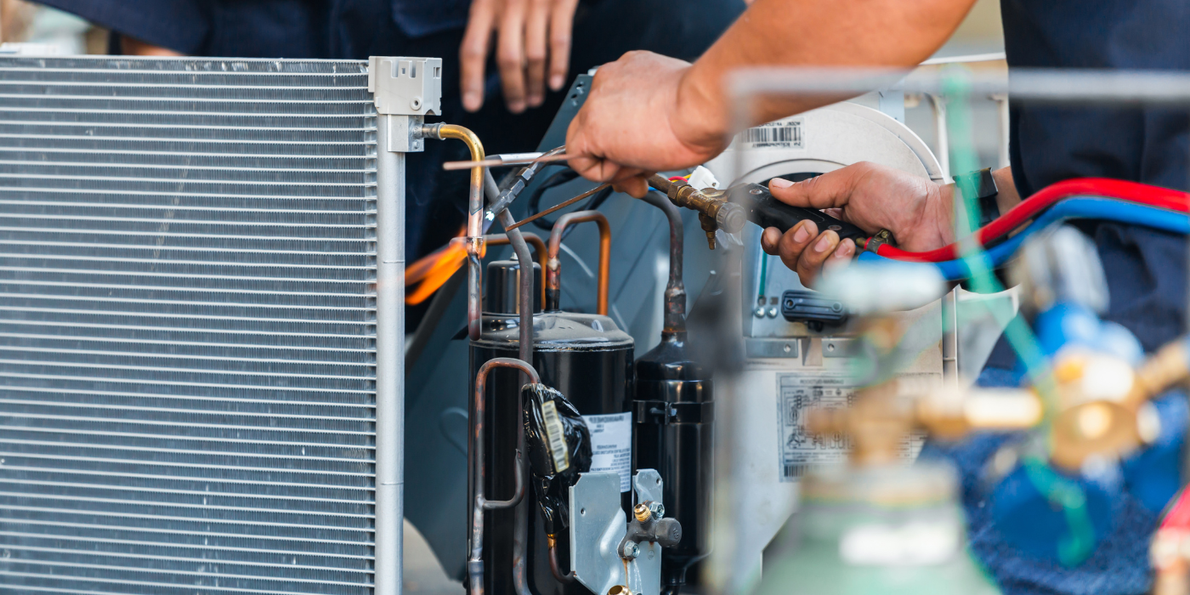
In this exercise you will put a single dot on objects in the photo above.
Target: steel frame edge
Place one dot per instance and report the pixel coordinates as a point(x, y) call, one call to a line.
point(401, 102)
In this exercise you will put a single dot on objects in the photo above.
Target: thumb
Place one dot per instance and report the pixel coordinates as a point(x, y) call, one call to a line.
point(832, 189)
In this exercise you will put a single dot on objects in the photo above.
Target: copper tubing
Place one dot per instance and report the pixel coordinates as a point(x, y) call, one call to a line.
point(476, 466)
point(540, 252)
point(474, 220)
point(520, 532)
point(552, 544)
point(553, 286)
point(675, 289)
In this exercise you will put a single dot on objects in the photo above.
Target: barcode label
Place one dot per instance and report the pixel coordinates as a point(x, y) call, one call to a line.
point(785, 134)
point(555, 434)
point(795, 470)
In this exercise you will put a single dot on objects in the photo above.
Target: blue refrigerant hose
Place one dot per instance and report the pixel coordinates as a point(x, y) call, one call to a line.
point(1081, 207)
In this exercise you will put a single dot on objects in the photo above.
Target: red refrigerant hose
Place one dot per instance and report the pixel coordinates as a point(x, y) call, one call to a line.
point(1145, 194)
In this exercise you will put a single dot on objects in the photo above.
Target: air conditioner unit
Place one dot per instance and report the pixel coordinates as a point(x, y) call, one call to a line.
point(201, 332)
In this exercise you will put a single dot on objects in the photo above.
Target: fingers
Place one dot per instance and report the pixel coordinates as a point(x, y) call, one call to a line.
point(561, 27)
point(832, 189)
point(536, 31)
point(806, 251)
point(473, 53)
point(841, 257)
point(510, 54)
point(636, 186)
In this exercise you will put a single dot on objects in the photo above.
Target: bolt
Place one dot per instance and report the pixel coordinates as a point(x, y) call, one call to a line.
point(658, 509)
point(773, 312)
point(631, 550)
point(760, 312)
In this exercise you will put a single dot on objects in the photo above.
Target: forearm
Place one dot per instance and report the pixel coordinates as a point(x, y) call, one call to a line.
point(135, 47)
point(814, 33)
point(1006, 194)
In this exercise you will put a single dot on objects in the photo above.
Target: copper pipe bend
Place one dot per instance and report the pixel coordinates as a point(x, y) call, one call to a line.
point(553, 286)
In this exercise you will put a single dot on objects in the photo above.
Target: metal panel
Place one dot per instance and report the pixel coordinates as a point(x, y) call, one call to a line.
point(187, 326)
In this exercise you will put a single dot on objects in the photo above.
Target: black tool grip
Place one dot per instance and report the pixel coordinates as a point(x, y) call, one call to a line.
point(766, 211)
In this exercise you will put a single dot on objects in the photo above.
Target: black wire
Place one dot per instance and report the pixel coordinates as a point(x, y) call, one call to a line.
point(555, 180)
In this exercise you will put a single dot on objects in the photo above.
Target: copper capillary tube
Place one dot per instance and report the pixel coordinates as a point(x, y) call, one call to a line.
point(499, 160)
point(560, 205)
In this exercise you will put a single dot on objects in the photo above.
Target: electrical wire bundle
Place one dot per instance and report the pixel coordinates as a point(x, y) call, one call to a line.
point(1082, 198)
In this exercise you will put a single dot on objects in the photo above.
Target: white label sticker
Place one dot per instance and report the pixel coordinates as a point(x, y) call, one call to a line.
point(611, 445)
point(782, 134)
point(797, 393)
point(553, 433)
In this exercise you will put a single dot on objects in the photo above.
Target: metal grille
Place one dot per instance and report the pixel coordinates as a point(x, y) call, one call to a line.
point(187, 338)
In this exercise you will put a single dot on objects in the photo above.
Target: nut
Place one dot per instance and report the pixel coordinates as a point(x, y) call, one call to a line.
point(657, 508)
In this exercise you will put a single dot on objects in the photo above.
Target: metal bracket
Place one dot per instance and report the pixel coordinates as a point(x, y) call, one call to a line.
point(410, 89)
point(772, 348)
point(598, 525)
point(406, 86)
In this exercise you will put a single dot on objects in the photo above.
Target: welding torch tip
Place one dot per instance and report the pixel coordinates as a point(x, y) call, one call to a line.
point(506, 159)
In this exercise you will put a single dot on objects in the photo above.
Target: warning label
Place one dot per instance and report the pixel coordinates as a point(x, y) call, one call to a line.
point(611, 445)
point(797, 393)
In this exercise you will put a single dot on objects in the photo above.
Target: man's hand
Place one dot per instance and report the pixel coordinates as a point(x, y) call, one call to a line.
point(530, 34)
point(639, 111)
point(916, 210)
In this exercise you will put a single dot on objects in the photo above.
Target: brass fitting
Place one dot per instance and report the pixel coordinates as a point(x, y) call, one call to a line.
point(641, 512)
point(880, 418)
point(714, 210)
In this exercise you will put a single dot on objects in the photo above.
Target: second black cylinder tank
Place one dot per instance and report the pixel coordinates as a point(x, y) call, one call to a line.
point(674, 415)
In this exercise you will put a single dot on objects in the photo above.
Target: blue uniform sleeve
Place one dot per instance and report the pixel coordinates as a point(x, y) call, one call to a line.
point(179, 25)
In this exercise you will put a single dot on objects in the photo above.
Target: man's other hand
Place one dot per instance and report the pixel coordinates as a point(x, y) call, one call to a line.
point(916, 210)
point(532, 42)
point(640, 118)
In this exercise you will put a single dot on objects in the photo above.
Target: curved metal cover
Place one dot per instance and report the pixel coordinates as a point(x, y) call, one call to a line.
point(187, 340)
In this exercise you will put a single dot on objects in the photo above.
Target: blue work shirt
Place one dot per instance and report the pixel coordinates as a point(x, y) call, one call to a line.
point(1146, 269)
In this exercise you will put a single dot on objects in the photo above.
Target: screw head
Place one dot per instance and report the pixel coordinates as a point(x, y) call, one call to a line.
point(631, 550)
point(658, 509)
